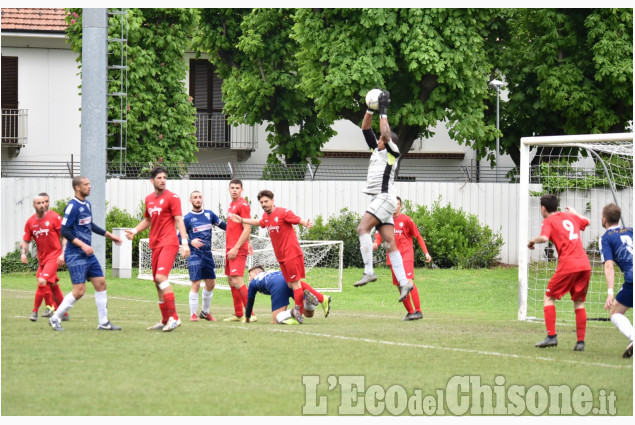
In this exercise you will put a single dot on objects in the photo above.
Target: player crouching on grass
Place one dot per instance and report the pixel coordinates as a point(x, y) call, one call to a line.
point(273, 283)
point(617, 247)
point(574, 270)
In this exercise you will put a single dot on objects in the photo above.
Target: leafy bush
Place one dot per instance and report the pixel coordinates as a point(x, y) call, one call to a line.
point(342, 227)
point(454, 238)
point(11, 262)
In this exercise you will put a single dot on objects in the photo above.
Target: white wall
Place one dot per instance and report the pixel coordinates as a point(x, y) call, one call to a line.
point(494, 204)
point(48, 89)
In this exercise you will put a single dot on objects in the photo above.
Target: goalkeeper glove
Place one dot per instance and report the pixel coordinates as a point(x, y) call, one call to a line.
point(384, 101)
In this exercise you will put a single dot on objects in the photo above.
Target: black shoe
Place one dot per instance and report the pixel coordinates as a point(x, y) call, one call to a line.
point(417, 315)
point(579, 346)
point(550, 341)
point(629, 351)
point(409, 316)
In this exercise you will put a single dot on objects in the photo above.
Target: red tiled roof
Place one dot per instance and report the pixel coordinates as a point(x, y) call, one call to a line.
point(42, 19)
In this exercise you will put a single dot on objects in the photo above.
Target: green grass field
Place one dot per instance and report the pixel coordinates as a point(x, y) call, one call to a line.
point(214, 368)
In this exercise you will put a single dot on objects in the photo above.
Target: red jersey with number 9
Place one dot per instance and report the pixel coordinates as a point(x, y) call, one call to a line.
point(563, 229)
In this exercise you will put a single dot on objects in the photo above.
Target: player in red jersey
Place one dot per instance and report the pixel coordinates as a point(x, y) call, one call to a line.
point(279, 223)
point(163, 211)
point(573, 271)
point(405, 231)
point(236, 250)
point(44, 228)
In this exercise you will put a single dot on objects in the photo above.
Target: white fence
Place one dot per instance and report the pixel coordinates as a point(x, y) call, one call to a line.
point(495, 204)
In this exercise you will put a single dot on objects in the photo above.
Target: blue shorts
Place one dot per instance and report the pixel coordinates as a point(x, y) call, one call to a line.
point(82, 268)
point(625, 295)
point(280, 297)
point(201, 267)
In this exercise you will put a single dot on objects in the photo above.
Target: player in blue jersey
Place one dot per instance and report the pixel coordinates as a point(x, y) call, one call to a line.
point(274, 284)
point(198, 224)
point(77, 228)
point(616, 247)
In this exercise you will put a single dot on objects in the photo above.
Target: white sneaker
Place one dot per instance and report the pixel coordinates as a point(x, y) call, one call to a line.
point(157, 327)
point(171, 325)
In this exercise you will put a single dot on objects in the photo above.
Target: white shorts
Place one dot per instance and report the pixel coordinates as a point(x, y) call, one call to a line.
point(382, 207)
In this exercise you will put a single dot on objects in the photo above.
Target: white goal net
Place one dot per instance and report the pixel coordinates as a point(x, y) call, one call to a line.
point(323, 262)
point(585, 172)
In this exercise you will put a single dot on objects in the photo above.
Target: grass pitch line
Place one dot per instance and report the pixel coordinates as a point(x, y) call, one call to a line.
point(453, 349)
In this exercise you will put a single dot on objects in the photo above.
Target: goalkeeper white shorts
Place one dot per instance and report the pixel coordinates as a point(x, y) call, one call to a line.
point(382, 207)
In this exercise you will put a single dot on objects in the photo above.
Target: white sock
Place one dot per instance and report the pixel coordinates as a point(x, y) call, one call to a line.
point(397, 267)
point(207, 300)
point(622, 323)
point(283, 315)
point(67, 304)
point(101, 301)
point(366, 248)
point(193, 302)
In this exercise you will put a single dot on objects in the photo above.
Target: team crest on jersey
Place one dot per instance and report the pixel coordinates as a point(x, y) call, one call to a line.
point(207, 215)
point(81, 209)
point(46, 223)
point(161, 202)
point(275, 219)
point(401, 224)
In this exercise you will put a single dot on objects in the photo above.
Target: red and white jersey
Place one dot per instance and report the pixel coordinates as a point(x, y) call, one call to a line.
point(405, 232)
point(161, 211)
point(234, 230)
point(563, 229)
point(45, 232)
point(279, 224)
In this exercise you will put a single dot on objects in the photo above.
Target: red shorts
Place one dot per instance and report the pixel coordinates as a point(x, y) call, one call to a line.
point(235, 267)
point(163, 259)
point(48, 271)
point(576, 283)
point(409, 268)
point(293, 269)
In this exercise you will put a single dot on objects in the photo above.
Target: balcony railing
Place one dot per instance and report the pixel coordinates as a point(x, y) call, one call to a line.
point(213, 132)
point(14, 127)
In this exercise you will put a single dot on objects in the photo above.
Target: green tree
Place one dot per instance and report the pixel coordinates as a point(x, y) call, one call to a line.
point(568, 71)
point(254, 54)
point(160, 115)
point(432, 61)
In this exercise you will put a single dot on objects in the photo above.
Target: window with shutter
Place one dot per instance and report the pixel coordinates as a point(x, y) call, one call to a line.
point(9, 100)
point(206, 90)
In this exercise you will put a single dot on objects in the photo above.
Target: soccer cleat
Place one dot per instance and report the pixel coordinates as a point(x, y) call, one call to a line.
point(417, 315)
point(252, 319)
point(297, 315)
point(365, 279)
point(108, 326)
point(409, 316)
point(579, 346)
point(159, 326)
point(404, 290)
point(629, 351)
point(310, 298)
point(194, 317)
point(55, 324)
point(550, 341)
point(65, 317)
point(326, 305)
point(172, 324)
point(206, 316)
point(290, 321)
point(33, 317)
point(233, 319)
point(48, 311)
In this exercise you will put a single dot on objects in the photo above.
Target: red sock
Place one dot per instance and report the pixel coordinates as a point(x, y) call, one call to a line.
point(238, 302)
point(244, 293)
point(406, 303)
point(48, 296)
point(164, 312)
point(415, 297)
point(58, 295)
point(550, 319)
point(298, 297)
point(580, 323)
point(170, 306)
point(319, 296)
point(39, 296)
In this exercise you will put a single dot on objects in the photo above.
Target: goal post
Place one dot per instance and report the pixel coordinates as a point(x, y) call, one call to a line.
point(323, 262)
point(585, 172)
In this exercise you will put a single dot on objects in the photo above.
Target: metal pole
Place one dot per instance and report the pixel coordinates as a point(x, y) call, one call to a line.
point(94, 116)
point(497, 135)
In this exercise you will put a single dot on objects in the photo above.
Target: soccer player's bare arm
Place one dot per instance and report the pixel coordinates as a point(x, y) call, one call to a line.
point(24, 246)
point(145, 224)
point(180, 225)
point(609, 275)
point(537, 239)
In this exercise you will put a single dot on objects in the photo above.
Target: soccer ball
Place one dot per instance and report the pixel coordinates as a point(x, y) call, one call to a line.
point(372, 99)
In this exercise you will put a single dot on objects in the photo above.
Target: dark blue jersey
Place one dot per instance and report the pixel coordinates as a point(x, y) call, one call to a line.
point(198, 225)
point(269, 283)
point(78, 223)
point(617, 246)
